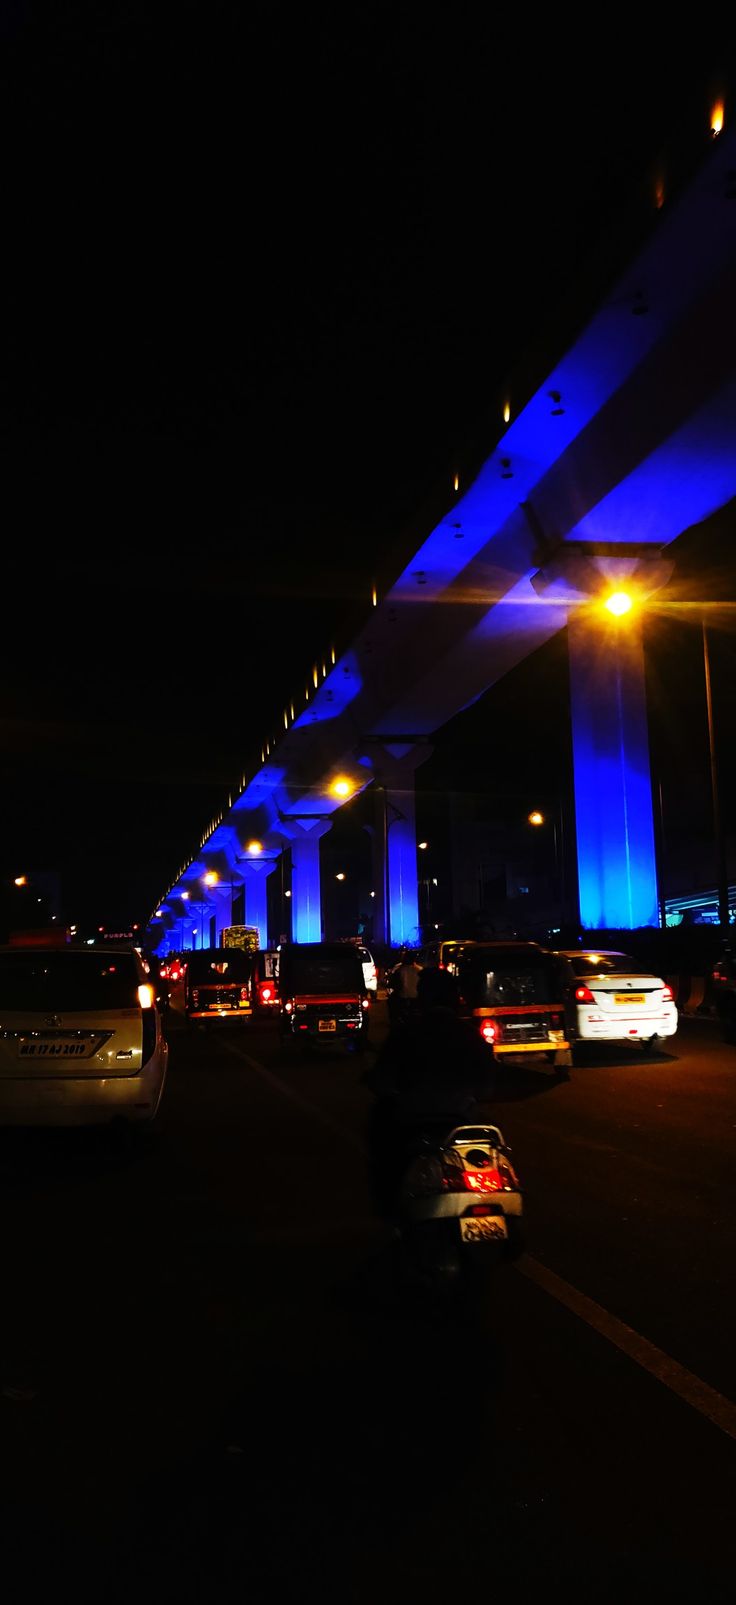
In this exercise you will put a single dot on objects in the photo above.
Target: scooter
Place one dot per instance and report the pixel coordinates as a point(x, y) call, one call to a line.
point(460, 1203)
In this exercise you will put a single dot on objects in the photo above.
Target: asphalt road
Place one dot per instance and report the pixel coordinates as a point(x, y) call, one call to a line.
point(216, 1386)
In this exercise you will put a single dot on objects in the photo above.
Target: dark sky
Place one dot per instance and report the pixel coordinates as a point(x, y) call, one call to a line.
point(263, 268)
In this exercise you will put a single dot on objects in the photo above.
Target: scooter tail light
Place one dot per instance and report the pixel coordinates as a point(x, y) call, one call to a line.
point(487, 1180)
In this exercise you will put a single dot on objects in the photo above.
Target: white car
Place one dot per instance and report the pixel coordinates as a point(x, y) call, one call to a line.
point(81, 1037)
point(370, 971)
point(607, 997)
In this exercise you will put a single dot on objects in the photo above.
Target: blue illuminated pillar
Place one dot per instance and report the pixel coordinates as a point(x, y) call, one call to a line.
point(255, 872)
point(305, 835)
point(617, 872)
point(396, 840)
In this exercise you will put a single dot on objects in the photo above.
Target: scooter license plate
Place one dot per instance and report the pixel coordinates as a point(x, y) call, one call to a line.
point(483, 1228)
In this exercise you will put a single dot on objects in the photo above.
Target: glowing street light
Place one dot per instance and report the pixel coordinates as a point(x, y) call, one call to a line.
point(535, 818)
point(341, 787)
point(340, 876)
point(185, 897)
point(254, 848)
point(21, 880)
point(422, 846)
point(618, 603)
point(211, 878)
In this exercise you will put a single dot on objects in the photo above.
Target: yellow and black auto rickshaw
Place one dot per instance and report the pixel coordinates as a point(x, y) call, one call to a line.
point(510, 989)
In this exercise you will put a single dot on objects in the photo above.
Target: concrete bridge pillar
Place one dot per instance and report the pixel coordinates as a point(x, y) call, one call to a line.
point(617, 873)
point(255, 873)
point(396, 918)
point(304, 835)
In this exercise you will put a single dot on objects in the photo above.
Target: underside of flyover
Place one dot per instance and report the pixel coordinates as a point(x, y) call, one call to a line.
point(629, 441)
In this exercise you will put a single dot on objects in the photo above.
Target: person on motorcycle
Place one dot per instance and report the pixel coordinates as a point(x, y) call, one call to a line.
point(432, 1069)
point(403, 987)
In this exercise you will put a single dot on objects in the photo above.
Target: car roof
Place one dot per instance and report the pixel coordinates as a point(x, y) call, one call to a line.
point(593, 952)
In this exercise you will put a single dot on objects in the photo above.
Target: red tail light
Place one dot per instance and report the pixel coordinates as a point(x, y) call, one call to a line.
point(265, 992)
point(243, 994)
point(483, 1181)
point(488, 1031)
point(583, 994)
point(668, 995)
point(500, 1178)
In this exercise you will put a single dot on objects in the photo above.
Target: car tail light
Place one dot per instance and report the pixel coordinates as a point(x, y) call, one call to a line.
point(583, 994)
point(288, 1008)
point(366, 1003)
point(668, 995)
point(146, 995)
point(164, 972)
point(374, 972)
point(488, 1030)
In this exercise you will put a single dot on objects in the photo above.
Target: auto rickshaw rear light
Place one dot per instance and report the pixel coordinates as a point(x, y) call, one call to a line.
point(583, 994)
point(243, 994)
point(265, 993)
point(488, 1031)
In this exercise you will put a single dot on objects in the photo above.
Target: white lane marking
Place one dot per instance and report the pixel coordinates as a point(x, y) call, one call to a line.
point(305, 1104)
point(698, 1394)
point(718, 1409)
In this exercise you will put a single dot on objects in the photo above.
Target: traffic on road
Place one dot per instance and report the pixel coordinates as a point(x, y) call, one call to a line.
point(270, 1321)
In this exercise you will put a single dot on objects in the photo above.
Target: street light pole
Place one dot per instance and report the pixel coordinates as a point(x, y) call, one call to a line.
point(720, 840)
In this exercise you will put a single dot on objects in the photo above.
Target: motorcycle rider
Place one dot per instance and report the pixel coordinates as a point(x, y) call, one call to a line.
point(404, 987)
point(431, 1071)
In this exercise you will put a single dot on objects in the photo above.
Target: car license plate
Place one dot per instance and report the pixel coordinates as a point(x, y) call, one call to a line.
point(629, 997)
point(483, 1228)
point(327, 1025)
point(55, 1048)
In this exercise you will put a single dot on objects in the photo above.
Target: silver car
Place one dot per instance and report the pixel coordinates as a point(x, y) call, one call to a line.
point(81, 1037)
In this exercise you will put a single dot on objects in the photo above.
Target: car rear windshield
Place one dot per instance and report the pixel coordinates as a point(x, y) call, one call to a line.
point(225, 964)
point(322, 975)
point(62, 982)
point(506, 978)
point(606, 964)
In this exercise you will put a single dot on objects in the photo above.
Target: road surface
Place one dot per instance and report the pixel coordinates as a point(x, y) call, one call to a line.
point(216, 1387)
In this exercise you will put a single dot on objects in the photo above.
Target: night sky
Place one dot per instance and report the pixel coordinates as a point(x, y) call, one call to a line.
point(263, 269)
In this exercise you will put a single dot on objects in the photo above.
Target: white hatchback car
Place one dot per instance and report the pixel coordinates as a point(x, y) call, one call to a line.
point(81, 1038)
point(607, 997)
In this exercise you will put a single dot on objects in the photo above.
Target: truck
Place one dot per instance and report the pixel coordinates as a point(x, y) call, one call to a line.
point(246, 937)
